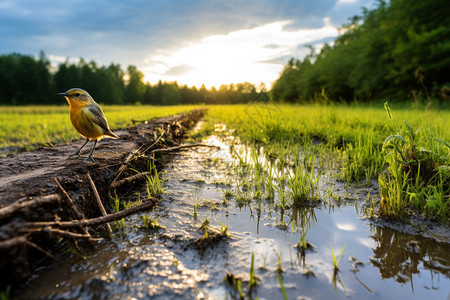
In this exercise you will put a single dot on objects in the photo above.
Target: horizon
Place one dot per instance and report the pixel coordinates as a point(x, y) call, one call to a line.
point(193, 43)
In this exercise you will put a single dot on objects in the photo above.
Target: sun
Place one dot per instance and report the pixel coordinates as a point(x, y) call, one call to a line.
point(242, 56)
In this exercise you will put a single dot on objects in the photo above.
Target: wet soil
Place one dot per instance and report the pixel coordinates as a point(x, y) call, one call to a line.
point(31, 175)
point(179, 260)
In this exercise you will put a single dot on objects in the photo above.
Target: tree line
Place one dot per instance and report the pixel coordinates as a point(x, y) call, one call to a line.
point(398, 50)
point(27, 80)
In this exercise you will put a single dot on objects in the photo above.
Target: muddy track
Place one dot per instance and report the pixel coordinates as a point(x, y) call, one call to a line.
point(29, 191)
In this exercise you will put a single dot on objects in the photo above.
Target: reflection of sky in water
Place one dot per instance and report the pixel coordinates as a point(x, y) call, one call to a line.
point(170, 264)
point(338, 226)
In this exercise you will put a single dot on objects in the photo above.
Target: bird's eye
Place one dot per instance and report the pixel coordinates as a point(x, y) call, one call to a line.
point(77, 94)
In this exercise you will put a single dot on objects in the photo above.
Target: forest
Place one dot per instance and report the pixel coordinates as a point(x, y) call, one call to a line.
point(398, 51)
point(25, 80)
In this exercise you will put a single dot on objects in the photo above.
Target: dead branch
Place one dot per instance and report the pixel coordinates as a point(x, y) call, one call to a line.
point(29, 243)
point(156, 142)
point(75, 211)
point(10, 243)
point(182, 147)
point(99, 220)
point(100, 204)
point(129, 179)
point(131, 155)
point(59, 232)
point(22, 203)
point(125, 163)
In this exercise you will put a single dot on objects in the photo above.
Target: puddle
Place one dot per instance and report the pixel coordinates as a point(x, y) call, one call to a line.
point(179, 262)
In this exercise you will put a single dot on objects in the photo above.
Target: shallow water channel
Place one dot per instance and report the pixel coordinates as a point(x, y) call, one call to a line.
point(179, 262)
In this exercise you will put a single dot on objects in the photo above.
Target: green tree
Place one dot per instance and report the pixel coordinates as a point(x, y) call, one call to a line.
point(398, 48)
point(135, 87)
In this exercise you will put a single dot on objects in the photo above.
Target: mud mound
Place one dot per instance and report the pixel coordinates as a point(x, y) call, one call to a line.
point(42, 190)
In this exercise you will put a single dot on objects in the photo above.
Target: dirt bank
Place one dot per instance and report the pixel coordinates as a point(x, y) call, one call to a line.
point(40, 190)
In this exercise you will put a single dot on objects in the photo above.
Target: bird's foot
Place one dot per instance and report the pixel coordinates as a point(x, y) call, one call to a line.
point(74, 155)
point(90, 158)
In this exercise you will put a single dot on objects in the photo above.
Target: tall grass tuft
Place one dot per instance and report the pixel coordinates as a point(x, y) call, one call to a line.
point(333, 256)
point(302, 183)
point(418, 176)
point(155, 183)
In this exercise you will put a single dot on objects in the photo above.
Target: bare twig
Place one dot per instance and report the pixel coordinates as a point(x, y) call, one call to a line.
point(97, 221)
point(43, 251)
point(11, 209)
point(129, 179)
point(182, 147)
point(59, 232)
point(131, 155)
point(75, 211)
point(125, 163)
point(22, 241)
point(10, 243)
point(100, 204)
point(156, 142)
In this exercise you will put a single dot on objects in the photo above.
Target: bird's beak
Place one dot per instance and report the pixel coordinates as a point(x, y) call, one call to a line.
point(64, 94)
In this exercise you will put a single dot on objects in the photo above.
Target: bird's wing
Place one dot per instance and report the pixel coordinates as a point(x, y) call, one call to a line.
point(98, 117)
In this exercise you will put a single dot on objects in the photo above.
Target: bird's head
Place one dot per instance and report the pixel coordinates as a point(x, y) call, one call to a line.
point(77, 95)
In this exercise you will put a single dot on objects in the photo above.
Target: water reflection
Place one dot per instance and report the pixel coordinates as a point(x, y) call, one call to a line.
point(398, 256)
point(178, 262)
point(303, 217)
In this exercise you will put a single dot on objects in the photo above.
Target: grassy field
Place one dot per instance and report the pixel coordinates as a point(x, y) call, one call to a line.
point(407, 150)
point(28, 127)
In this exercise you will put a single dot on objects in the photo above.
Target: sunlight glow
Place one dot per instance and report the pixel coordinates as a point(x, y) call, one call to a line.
point(346, 226)
point(254, 55)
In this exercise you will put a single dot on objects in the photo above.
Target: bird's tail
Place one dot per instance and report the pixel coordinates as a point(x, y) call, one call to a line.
point(111, 135)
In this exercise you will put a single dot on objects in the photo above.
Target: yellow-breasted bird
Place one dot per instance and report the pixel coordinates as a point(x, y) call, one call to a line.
point(87, 117)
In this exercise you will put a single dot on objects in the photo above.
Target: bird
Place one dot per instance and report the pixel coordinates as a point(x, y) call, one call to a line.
point(88, 118)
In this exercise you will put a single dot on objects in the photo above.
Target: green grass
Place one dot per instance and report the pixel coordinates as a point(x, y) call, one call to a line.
point(333, 256)
point(155, 182)
point(418, 175)
point(407, 150)
point(28, 127)
point(357, 143)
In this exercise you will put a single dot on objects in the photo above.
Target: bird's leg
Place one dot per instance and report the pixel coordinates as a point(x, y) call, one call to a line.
point(77, 153)
point(92, 151)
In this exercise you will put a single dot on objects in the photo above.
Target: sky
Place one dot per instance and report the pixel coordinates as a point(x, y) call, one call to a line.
point(191, 42)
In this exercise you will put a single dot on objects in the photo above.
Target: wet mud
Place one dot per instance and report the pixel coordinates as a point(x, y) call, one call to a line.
point(189, 258)
point(29, 190)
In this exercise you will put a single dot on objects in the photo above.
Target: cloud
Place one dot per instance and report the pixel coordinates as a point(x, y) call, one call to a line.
point(271, 46)
point(255, 55)
point(178, 70)
point(280, 60)
point(138, 32)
